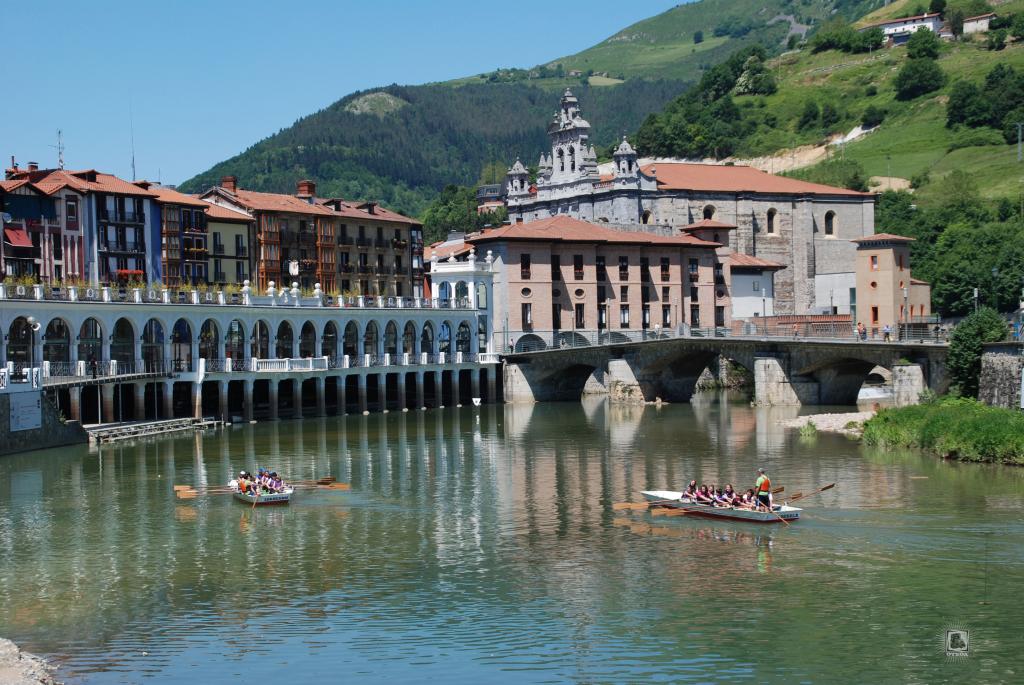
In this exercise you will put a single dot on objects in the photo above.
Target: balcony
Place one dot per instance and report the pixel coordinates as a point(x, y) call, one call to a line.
point(365, 269)
point(399, 244)
point(125, 246)
point(345, 240)
point(380, 243)
point(345, 268)
point(241, 251)
point(363, 242)
point(218, 248)
point(219, 277)
point(122, 217)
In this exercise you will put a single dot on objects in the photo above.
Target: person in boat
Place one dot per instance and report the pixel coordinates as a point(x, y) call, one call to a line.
point(747, 500)
point(691, 490)
point(719, 497)
point(763, 490)
point(729, 495)
point(703, 496)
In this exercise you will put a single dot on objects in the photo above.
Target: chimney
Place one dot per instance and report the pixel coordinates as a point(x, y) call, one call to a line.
point(229, 183)
point(370, 206)
point(33, 166)
point(306, 188)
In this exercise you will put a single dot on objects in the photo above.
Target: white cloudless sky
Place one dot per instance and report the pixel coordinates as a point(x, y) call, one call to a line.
point(202, 81)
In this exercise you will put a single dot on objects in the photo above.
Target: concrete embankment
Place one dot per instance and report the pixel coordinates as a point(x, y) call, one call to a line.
point(21, 668)
point(851, 423)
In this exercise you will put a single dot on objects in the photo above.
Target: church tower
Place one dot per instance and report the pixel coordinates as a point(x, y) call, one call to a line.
point(572, 158)
point(625, 161)
point(518, 181)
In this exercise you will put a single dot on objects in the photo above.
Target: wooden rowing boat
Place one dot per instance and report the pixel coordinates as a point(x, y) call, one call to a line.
point(674, 500)
point(266, 498)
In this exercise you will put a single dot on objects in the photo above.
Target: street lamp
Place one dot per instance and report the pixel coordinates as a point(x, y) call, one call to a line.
point(906, 313)
point(995, 289)
point(33, 326)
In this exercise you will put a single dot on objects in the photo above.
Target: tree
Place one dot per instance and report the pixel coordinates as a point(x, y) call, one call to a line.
point(923, 44)
point(810, 116)
point(698, 37)
point(937, 6)
point(965, 348)
point(996, 39)
point(956, 23)
point(918, 77)
point(1010, 125)
point(829, 115)
point(755, 79)
point(967, 106)
point(873, 116)
point(455, 211)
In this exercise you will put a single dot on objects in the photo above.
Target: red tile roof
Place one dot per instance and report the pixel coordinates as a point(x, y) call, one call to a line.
point(170, 196)
point(739, 260)
point(215, 212)
point(708, 223)
point(8, 186)
point(87, 181)
point(734, 179)
point(443, 251)
point(880, 237)
point(358, 210)
point(276, 202)
point(563, 228)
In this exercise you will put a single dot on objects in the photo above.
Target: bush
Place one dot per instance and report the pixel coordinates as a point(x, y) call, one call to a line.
point(918, 77)
point(959, 428)
point(1010, 125)
point(810, 116)
point(996, 39)
point(829, 115)
point(920, 180)
point(873, 116)
point(698, 37)
point(923, 44)
point(965, 348)
point(871, 91)
point(975, 137)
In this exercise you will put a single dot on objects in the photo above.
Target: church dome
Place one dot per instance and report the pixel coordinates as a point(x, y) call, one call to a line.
point(625, 148)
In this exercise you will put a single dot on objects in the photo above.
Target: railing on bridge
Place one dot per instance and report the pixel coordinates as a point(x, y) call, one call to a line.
point(246, 296)
point(812, 331)
point(65, 371)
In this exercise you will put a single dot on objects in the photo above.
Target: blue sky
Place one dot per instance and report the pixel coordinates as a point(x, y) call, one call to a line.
point(204, 80)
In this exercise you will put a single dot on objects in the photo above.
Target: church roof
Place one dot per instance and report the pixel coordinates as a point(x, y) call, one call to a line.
point(625, 148)
point(518, 168)
point(734, 179)
point(564, 228)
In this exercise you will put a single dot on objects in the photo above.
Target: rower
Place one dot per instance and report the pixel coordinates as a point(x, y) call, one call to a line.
point(763, 490)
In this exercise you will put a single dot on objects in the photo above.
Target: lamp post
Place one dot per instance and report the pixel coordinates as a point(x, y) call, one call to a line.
point(33, 326)
point(975, 299)
point(906, 313)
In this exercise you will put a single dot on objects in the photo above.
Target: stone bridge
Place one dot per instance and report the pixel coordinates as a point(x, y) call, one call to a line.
point(785, 371)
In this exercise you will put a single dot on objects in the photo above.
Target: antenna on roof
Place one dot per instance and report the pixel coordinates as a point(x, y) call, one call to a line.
point(60, 149)
point(131, 128)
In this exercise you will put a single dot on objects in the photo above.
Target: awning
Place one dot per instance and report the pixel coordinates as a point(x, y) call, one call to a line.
point(17, 237)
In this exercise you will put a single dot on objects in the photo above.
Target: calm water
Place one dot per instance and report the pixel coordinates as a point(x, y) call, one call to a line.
point(479, 546)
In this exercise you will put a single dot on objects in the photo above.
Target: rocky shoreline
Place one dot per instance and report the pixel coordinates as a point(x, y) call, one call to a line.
point(833, 423)
point(21, 668)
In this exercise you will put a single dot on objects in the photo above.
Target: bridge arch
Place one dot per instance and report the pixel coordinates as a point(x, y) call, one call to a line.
point(90, 341)
point(57, 341)
point(209, 340)
point(181, 345)
point(122, 342)
point(307, 340)
point(285, 341)
point(329, 341)
point(350, 339)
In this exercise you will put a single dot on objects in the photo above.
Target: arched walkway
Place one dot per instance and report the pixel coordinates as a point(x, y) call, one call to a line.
point(391, 338)
point(285, 341)
point(330, 341)
point(463, 338)
point(307, 340)
point(350, 341)
point(19, 342)
point(122, 344)
point(57, 342)
point(209, 340)
point(153, 345)
point(370, 339)
point(181, 345)
point(427, 338)
point(409, 338)
point(260, 340)
point(90, 341)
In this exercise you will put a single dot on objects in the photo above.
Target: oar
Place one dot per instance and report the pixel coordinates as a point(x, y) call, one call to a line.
point(821, 489)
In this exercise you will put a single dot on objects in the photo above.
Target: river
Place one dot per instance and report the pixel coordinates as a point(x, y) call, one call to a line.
point(479, 545)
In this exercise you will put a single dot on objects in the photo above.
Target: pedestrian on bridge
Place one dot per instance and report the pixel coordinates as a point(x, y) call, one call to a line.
point(887, 333)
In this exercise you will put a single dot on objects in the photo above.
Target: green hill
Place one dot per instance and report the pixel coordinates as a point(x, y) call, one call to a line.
point(402, 144)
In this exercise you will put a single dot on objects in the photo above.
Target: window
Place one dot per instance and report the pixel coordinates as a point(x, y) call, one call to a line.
point(757, 286)
point(580, 316)
point(899, 261)
point(72, 211)
point(666, 315)
point(874, 315)
point(623, 292)
point(645, 320)
point(694, 294)
point(602, 295)
point(830, 223)
point(527, 314)
point(874, 262)
point(771, 220)
point(577, 267)
point(602, 272)
point(719, 316)
point(665, 293)
point(695, 315)
point(645, 294)
point(524, 266)
point(719, 274)
point(646, 217)
point(623, 268)
point(556, 268)
point(623, 316)
point(664, 268)
point(645, 269)
point(398, 264)
point(556, 316)
point(602, 316)
point(692, 266)
point(709, 212)
point(240, 272)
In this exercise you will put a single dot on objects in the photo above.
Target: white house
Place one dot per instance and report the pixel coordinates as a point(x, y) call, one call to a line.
point(978, 24)
point(899, 30)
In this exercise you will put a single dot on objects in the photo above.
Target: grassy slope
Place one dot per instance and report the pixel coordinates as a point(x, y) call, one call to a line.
point(913, 139)
point(663, 45)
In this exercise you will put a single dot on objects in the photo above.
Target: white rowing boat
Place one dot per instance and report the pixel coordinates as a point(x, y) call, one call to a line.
point(674, 500)
point(265, 499)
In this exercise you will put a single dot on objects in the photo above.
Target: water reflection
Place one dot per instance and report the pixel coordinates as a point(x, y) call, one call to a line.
point(484, 538)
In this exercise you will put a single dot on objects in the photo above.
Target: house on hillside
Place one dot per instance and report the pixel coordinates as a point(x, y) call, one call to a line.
point(978, 24)
point(898, 31)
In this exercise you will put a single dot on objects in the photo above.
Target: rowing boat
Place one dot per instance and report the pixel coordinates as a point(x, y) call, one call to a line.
point(674, 500)
point(266, 498)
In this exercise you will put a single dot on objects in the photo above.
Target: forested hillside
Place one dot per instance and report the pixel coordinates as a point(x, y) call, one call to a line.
point(402, 144)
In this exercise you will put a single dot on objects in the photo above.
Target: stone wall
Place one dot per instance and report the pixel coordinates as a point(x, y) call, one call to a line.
point(1001, 365)
point(52, 433)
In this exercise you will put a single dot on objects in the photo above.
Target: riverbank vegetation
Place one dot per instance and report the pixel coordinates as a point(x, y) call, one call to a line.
point(952, 428)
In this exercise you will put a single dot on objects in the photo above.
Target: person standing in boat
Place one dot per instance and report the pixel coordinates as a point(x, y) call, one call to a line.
point(763, 490)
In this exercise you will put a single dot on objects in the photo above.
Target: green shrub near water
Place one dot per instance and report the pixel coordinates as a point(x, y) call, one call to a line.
point(953, 427)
